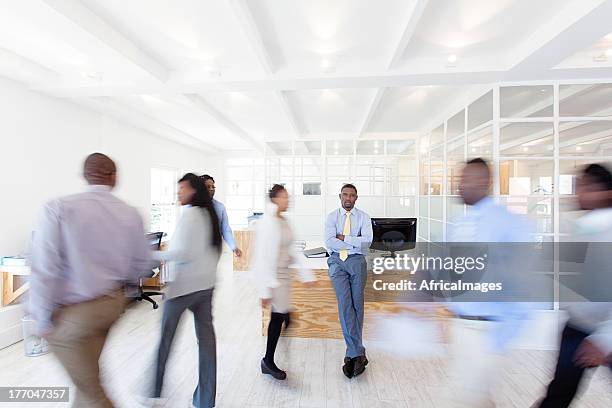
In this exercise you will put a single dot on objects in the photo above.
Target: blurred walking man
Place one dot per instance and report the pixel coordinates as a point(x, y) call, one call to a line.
point(86, 246)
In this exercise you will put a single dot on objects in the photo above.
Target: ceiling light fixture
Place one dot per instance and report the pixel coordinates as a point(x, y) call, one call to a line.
point(525, 148)
point(608, 52)
point(451, 60)
point(578, 148)
point(327, 66)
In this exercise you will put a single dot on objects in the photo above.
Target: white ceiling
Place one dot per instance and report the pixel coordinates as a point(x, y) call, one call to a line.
point(230, 75)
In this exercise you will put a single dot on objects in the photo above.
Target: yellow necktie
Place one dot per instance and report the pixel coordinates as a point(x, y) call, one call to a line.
point(346, 231)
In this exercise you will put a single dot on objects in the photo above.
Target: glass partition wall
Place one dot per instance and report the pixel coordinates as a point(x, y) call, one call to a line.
point(536, 138)
point(313, 171)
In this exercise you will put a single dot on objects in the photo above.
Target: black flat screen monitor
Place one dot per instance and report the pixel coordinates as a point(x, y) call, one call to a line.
point(394, 234)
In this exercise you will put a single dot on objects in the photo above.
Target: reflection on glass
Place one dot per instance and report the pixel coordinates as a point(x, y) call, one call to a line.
point(436, 208)
point(480, 111)
point(455, 160)
point(424, 206)
point(526, 139)
point(585, 138)
point(526, 177)
point(538, 209)
point(406, 147)
point(455, 125)
point(339, 147)
point(526, 101)
point(437, 136)
point(480, 143)
point(339, 166)
point(308, 148)
point(454, 208)
point(585, 100)
point(370, 147)
point(280, 148)
point(401, 207)
point(423, 228)
point(436, 231)
point(437, 171)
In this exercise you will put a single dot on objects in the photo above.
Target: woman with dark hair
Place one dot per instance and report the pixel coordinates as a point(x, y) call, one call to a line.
point(273, 253)
point(192, 259)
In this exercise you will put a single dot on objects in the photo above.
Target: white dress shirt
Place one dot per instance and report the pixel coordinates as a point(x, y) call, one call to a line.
point(85, 246)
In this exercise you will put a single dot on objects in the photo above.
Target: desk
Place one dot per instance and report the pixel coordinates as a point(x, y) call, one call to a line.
point(13, 284)
point(315, 312)
point(243, 241)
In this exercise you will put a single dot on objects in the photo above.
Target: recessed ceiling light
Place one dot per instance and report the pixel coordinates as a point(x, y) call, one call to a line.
point(473, 150)
point(327, 65)
point(452, 58)
point(375, 151)
point(578, 148)
point(608, 52)
point(525, 148)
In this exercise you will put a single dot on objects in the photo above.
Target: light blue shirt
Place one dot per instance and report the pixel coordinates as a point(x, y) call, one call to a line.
point(85, 246)
point(361, 231)
point(226, 231)
point(489, 222)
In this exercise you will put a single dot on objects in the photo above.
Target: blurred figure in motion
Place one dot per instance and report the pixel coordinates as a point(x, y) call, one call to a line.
point(86, 247)
point(273, 253)
point(586, 341)
point(193, 255)
point(226, 230)
point(481, 331)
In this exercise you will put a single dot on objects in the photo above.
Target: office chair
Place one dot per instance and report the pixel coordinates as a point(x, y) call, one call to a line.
point(154, 239)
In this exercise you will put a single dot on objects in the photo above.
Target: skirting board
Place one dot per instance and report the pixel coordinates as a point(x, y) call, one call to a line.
point(10, 325)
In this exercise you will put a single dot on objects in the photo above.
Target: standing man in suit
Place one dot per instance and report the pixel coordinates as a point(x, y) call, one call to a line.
point(348, 234)
point(226, 230)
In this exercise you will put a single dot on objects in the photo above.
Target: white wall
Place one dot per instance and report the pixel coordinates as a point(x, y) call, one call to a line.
point(43, 142)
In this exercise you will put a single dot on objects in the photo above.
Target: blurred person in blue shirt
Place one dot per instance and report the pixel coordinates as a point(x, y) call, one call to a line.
point(226, 230)
point(481, 331)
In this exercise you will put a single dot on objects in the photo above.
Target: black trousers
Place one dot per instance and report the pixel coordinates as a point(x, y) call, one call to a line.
point(563, 387)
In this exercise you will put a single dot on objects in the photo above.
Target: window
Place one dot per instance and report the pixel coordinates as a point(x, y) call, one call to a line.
point(164, 210)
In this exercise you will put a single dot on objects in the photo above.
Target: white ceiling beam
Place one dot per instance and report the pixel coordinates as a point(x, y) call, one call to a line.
point(24, 70)
point(286, 84)
point(575, 27)
point(251, 30)
point(203, 105)
point(145, 122)
point(373, 107)
point(409, 28)
point(296, 126)
point(358, 81)
point(82, 16)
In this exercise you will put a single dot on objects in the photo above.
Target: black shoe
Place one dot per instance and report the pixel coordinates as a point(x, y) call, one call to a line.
point(360, 364)
point(272, 370)
point(348, 367)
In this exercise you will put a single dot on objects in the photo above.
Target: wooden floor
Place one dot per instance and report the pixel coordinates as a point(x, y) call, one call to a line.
point(313, 365)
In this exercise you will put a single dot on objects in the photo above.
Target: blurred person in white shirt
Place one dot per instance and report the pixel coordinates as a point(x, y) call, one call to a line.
point(586, 341)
